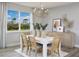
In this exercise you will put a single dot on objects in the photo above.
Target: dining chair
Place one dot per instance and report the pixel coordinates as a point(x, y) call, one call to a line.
point(34, 46)
point(55, 47)
point(25, 43)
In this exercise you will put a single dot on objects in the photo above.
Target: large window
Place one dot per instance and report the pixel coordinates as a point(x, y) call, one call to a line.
point(18, 20)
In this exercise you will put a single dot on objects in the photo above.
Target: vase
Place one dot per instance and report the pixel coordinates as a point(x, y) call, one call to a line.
point(43, 33)
point(38, 33)
point(35, 33)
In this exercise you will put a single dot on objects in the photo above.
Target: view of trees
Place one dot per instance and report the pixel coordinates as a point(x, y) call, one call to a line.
point(25, 26)
point(14, 24)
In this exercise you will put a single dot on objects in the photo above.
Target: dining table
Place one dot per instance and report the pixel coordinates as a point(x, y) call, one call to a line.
point(44, 41)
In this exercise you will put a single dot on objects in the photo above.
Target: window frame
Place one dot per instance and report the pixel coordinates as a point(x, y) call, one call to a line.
point(19, 30)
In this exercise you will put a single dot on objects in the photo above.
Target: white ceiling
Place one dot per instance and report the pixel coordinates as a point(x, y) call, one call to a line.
point(44, 4)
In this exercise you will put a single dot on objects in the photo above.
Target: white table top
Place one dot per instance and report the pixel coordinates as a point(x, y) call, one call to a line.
point(44, 40)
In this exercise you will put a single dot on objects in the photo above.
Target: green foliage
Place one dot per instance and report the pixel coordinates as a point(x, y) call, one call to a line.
point(12, 26)
point(14, 19)
point(34, 25)
point(25, 19)
point(43, 26)
point(16, 26)
point(39, 26)
point(25, 26)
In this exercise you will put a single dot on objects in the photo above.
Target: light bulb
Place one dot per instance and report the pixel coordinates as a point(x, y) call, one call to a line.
point(42, 8)
point(35, 9)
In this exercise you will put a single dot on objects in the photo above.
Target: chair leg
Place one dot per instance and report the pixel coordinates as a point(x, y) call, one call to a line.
point(35, 52)
point(58, 52)
point(27, 49)
point(21, 49)
point(52, 54)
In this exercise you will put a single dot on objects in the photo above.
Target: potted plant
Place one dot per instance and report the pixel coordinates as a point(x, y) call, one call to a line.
point(67, 24)
point(37, 29)
point(43, 27)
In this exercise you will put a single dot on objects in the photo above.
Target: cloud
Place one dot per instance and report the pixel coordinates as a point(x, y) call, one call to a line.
point(9, 16)
point(25, 17)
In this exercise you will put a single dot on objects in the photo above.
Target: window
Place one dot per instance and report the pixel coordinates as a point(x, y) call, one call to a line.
point(25, 20)
point(18, 21)
point(12, 20)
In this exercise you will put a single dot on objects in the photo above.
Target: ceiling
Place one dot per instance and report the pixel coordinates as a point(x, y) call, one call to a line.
point(43, 4)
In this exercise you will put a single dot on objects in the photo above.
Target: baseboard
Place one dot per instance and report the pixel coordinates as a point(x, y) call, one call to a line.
point(77, 46)
point(15, 44)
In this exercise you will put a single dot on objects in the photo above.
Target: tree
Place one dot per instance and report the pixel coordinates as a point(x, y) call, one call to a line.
point(25, 21)
point(13, 20)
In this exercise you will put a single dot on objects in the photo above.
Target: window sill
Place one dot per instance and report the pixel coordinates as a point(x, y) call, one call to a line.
point(18, 31)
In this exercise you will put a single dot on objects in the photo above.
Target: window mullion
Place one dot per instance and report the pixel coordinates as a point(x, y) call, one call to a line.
point(19, 22)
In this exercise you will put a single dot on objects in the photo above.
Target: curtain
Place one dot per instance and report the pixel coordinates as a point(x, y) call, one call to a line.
point(2, 24)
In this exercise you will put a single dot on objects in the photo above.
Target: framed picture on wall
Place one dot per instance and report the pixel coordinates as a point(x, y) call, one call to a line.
point(56, 23)
point(60, 29)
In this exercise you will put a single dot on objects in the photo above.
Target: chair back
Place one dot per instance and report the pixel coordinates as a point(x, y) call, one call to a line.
point(24, 39)
point(32, 41)
point(56, 44)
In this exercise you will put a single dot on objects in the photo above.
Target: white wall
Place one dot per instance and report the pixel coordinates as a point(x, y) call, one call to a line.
point(12, 38)
point(72, 11)
point(1, 41)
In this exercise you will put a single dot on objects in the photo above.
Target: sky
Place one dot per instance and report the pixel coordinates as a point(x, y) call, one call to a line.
point(15, 14)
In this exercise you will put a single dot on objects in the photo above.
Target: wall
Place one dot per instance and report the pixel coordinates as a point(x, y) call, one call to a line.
point(72, 11)
point(1, 41)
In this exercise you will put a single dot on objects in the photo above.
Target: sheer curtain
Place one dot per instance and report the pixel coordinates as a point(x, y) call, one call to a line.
point(2, 24)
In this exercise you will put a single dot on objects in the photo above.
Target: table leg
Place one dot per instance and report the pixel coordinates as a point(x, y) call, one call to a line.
point(44, 50)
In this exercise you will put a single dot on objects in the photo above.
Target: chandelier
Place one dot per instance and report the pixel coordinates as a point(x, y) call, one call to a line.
point(40, 12)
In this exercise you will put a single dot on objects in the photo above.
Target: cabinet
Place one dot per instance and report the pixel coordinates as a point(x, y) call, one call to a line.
point(67, 38)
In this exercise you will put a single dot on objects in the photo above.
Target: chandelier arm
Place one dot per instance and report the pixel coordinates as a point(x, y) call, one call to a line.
point(40, 12)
